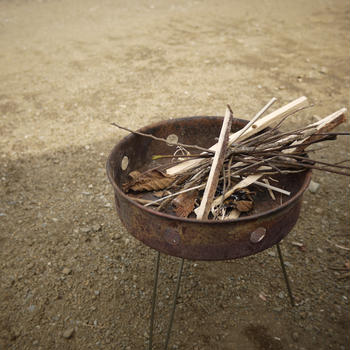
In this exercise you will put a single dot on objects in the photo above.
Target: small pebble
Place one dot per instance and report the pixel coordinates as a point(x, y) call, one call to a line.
point(302, 315)
point(96, 227)
point(295, 336)
point(314, 186)
point(68, 333)
point(66, 271)
point(324, 70)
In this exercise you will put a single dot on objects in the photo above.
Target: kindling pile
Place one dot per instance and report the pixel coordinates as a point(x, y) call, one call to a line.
point(218, 183)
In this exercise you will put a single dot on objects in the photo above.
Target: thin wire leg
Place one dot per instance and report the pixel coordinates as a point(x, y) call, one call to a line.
point(155, 286)
point(285, 275)
point(174, 304)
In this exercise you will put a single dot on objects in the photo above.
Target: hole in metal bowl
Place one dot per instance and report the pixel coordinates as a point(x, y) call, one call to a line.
point(125, 162)
point(172, 138)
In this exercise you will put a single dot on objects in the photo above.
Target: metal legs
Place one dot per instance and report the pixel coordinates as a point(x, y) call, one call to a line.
point(178, 282)
point(174, 304)
point(154, 296)
point(285, 275)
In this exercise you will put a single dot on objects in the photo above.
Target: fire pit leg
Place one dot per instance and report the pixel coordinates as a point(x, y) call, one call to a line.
point(154, 295)
point(174, 304)
point(285, 275)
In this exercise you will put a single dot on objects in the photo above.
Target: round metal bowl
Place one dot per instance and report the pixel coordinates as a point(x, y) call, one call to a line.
point(199, 239)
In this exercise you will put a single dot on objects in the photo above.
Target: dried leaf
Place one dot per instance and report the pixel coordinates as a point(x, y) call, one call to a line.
point(244, 206)
point(241, 200)
point(151, 180)
point(160, 194)
point(134, 174)
point(184, 203)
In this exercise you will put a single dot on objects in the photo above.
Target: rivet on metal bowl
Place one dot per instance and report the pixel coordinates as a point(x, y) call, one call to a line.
point(125, 162)
point(172, 236)
point(258, 235)
point(172, 138)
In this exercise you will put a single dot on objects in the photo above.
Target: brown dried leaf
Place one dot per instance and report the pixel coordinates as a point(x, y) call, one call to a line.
point(134, 174)
point(151, 180)
point(244, 206)
point(160, 194)
point(184, 203)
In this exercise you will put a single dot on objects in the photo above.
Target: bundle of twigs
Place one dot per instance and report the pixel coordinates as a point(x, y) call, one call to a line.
point(238, 160)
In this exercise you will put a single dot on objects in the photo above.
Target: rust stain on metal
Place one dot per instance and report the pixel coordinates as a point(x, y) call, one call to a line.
point(172, 236)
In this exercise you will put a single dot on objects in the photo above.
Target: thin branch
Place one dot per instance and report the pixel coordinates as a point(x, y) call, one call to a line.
point(175, 194)
point(312, 161)
point(162, 140)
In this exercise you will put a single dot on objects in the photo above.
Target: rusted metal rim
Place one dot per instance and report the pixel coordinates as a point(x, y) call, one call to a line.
point(285, 204)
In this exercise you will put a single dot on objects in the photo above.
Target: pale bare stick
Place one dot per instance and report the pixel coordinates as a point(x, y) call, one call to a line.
point(326, 124)
point(273, 188)
point(323, 125)
point(251, 123)
point(266, 181)
point(261, 124)
point(198, 187)
point(271, 118)
point(218, 161)
point(244, 183)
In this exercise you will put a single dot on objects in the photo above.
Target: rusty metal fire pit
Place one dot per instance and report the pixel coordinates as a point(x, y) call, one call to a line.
point(199, 239)
point(191, 238)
